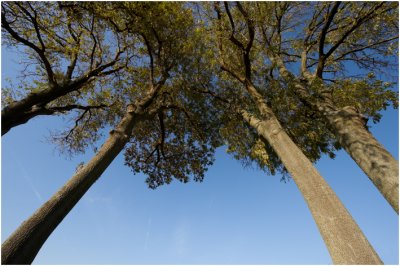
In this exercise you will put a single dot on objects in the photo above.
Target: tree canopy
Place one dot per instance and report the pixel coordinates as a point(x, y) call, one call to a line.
point(135, 51)
point(278, 83)
point(106, 54)
point(313, 68)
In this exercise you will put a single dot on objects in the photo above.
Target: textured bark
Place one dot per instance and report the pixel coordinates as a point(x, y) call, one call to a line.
point(376, 162)
point(348, 126)
point(344, 239)
point(13, 118)
point(23, 245)
point(22, 111)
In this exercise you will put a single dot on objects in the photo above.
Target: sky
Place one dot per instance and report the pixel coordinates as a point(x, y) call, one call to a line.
point(236, 215)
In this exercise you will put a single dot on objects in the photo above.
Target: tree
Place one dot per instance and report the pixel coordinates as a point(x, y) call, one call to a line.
point(235, 36)
point(163, 123)
point(171, 129)
point(333, 47)
point(67, 58)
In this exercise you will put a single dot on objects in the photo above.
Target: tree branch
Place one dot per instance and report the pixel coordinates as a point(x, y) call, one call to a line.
point(72, 65)
point(150, 52)
point(365, 47)
point(34, 22)
point(187, 115)
point(322, 58)
point(67, 108)
point(94, 43)
point(39, 51)
point(251, 31)
point(97, 71)
point(324, 30)
point(233, 38)
point(162, 128)
point(76, 125)
point(221, 60)
point(357, 23)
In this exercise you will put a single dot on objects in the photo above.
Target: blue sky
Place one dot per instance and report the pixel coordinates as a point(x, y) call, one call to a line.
point(236, 216)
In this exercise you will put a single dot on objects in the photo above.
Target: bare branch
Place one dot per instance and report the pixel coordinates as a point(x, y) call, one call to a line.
point(87, 109)
point(76, 124)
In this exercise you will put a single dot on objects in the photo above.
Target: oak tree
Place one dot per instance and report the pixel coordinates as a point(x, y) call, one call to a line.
point(330, 55)
point(168, 131)
point(237, 51)
point(66, 58)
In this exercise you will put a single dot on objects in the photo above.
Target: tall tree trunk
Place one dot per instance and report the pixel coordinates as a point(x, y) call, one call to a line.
point(344, 239)
point(24, 244)
point(376, 162)
point(348, 126)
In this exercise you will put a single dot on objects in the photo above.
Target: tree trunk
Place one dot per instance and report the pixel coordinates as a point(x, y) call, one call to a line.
point(344, 239)
point(376, 162)
point(24, 244)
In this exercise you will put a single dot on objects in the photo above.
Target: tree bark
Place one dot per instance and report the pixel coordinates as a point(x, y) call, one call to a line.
point(344, 239)
point(13, 118)
point(20, 112)
point(33, 104)
point(24, 244)
point(348, 126)
point(376, 162)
